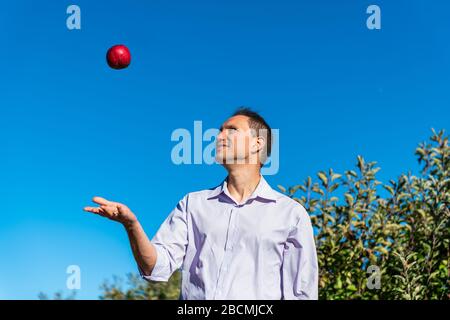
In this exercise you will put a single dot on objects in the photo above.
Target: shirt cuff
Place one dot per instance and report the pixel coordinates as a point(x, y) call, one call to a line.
point(161, 268)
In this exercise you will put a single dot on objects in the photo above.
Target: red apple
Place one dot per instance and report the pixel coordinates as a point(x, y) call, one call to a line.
point(118, 56)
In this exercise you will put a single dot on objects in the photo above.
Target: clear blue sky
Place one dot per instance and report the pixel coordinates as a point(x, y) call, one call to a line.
point(72, 128)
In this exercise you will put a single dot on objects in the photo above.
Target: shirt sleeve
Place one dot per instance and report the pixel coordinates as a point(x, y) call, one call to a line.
point(170, 242)
point(300, 268)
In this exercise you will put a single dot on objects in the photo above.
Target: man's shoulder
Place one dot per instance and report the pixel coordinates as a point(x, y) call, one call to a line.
point(289, 203)
point(202, 194)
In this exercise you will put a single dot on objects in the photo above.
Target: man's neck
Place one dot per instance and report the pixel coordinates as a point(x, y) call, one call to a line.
point(242, 181)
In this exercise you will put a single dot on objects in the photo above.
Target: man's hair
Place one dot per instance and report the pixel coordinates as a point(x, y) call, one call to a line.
point(257, 123)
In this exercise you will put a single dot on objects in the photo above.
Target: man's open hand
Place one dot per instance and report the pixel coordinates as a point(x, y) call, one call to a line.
point(112, 210)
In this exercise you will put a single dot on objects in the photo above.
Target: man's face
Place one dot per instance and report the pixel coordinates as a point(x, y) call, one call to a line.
point(235, 142)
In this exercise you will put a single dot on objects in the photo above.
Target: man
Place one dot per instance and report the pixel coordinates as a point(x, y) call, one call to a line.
point(240, 240)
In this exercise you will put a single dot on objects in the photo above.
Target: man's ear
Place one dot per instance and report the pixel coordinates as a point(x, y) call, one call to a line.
point(260, 143)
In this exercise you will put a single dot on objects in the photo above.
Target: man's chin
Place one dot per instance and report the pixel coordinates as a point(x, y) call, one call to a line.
point(223, 160)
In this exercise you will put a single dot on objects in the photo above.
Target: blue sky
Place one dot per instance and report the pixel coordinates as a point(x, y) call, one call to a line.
point(72, 128)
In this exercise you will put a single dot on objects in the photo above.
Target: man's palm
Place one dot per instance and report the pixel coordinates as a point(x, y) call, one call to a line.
point(112, 210)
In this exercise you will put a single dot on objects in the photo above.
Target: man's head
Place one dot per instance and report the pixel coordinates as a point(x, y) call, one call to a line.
point(245, 138)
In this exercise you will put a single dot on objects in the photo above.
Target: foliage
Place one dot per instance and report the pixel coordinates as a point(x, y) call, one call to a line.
point(139, 289)
point(58, 296)
point(404, 232)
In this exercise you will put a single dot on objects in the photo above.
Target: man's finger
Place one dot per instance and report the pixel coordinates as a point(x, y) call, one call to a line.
point(103, 213)
point(100, 201)
point(92, 209)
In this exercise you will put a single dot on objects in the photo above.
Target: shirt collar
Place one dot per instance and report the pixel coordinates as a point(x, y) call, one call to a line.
point(263, 191)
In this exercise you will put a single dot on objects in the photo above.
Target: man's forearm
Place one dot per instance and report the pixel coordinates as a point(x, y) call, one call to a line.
point(143, 250)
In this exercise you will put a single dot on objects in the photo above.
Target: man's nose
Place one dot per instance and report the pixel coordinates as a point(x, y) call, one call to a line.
point(221, 136)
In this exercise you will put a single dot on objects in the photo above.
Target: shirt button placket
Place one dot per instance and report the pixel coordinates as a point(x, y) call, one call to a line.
point(228, 249)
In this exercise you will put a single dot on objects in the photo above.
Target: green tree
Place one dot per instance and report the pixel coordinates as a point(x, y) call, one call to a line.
point(404, 231)
point(139, 289)
point(58, 296)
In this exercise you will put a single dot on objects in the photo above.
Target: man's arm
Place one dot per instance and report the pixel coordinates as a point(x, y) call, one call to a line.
point(144, 251)
point(300, 270)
